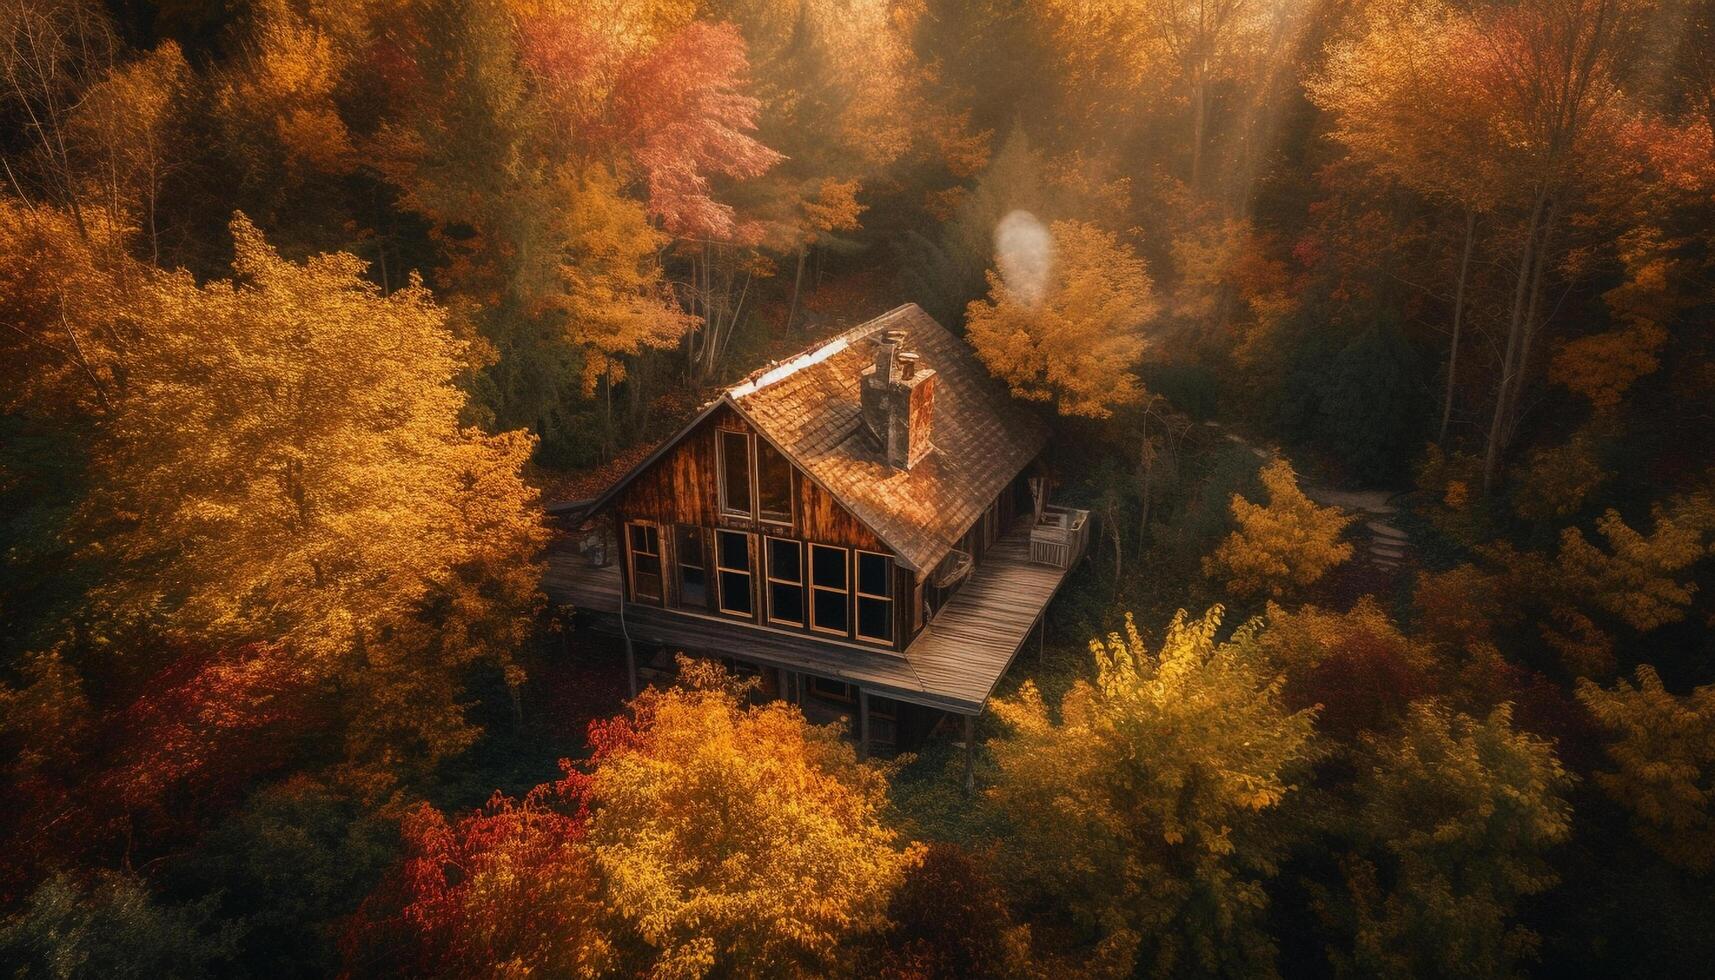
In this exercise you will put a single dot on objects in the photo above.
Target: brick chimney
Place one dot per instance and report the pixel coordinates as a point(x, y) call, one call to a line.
point(898, 396)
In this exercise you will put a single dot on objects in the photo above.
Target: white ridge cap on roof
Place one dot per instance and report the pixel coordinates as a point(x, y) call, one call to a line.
point(786, 368)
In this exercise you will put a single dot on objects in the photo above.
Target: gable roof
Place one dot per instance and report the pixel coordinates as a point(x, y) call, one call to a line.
point(808, 407)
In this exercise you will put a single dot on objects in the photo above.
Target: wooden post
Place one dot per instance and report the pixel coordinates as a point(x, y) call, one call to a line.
point(863, 724)
point(970, 754)
point(630, 667)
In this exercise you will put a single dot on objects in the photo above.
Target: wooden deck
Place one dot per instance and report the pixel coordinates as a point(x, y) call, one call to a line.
point(571, 580)
point(973, 638)
point(953, 664)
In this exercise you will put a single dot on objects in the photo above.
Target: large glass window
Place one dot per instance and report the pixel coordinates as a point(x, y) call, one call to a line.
point(735, 472)
point(874, 597)
point(645, 548)
point(830, 588)
point(773, 484)
point(733, 569)
point(785, 581)
point(693, 568)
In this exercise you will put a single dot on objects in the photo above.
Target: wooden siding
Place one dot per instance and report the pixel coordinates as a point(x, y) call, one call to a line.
point(682, 487)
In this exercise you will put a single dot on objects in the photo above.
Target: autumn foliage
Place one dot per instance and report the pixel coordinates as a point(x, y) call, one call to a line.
point(302, 301)
point(738, 838)
point(1137, 804)
point(1280, 547)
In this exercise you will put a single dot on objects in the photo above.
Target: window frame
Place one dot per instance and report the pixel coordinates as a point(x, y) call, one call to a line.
point(680, 533)
point(770, 580)
point(846, 593)
point(650, 529)
point(788, 518)
point(815, 688)
point(749, 573)
point(722, 435)
point(859, 595)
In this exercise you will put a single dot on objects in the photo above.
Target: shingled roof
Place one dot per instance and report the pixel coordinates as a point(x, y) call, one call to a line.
point(808, 406)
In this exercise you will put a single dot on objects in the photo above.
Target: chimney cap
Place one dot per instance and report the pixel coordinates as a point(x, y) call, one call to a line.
point(908, 363)
point(894, 337)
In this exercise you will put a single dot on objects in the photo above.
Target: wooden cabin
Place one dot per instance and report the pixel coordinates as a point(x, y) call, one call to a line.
point(858, 524)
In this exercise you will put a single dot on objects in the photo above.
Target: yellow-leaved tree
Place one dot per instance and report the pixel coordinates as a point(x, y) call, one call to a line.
point(285, 462)
point(1287, 544)
point(1664, 763)
point(739, 839)
point(1636, 579)
point(615, 300)
point(1456, 817)
point(1076, 343)
point(1141, 811)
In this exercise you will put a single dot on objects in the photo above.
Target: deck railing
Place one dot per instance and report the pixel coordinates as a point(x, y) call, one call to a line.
point(1060, 537)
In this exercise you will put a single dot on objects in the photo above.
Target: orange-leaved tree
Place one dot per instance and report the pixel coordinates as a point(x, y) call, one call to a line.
point(286, 463)
point(737, 838)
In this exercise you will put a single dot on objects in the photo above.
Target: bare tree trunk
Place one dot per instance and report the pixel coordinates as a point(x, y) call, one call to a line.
point(1532, 322)
point(1199, 122)
point(1515, 332)
point(1458, 322)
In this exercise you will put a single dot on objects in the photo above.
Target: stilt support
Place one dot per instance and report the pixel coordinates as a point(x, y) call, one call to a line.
point(863, 724)
point(630, 667)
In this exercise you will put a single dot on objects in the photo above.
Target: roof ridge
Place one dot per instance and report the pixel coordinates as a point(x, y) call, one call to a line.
point(774, 371)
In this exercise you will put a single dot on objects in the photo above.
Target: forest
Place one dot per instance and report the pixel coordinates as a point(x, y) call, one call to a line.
point(1375, 334)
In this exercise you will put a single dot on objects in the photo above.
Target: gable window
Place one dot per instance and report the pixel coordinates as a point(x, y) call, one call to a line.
point(693, 568)
point(645, 549)
point(785, 582)
point(773, 484)
point(732, 569)
point(830, 590)
point(735, 472)
point(874, 597)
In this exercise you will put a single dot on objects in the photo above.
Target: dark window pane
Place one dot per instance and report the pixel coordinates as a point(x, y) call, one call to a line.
point(647, 586)
point(690, 546)
point(735, 551)
point(785, 560)
point(872, 575)
point(643, 538)
point(735, 471)
point(831, 611)
point(693, 588)
point(786, 602)
point(875, 619)
point(832, 690)
point(773, 482)
point(648, 565)
point(828, 566)
point(735, 592)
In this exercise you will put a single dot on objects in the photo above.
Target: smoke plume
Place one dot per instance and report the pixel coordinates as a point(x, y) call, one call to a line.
point(1024, 250)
